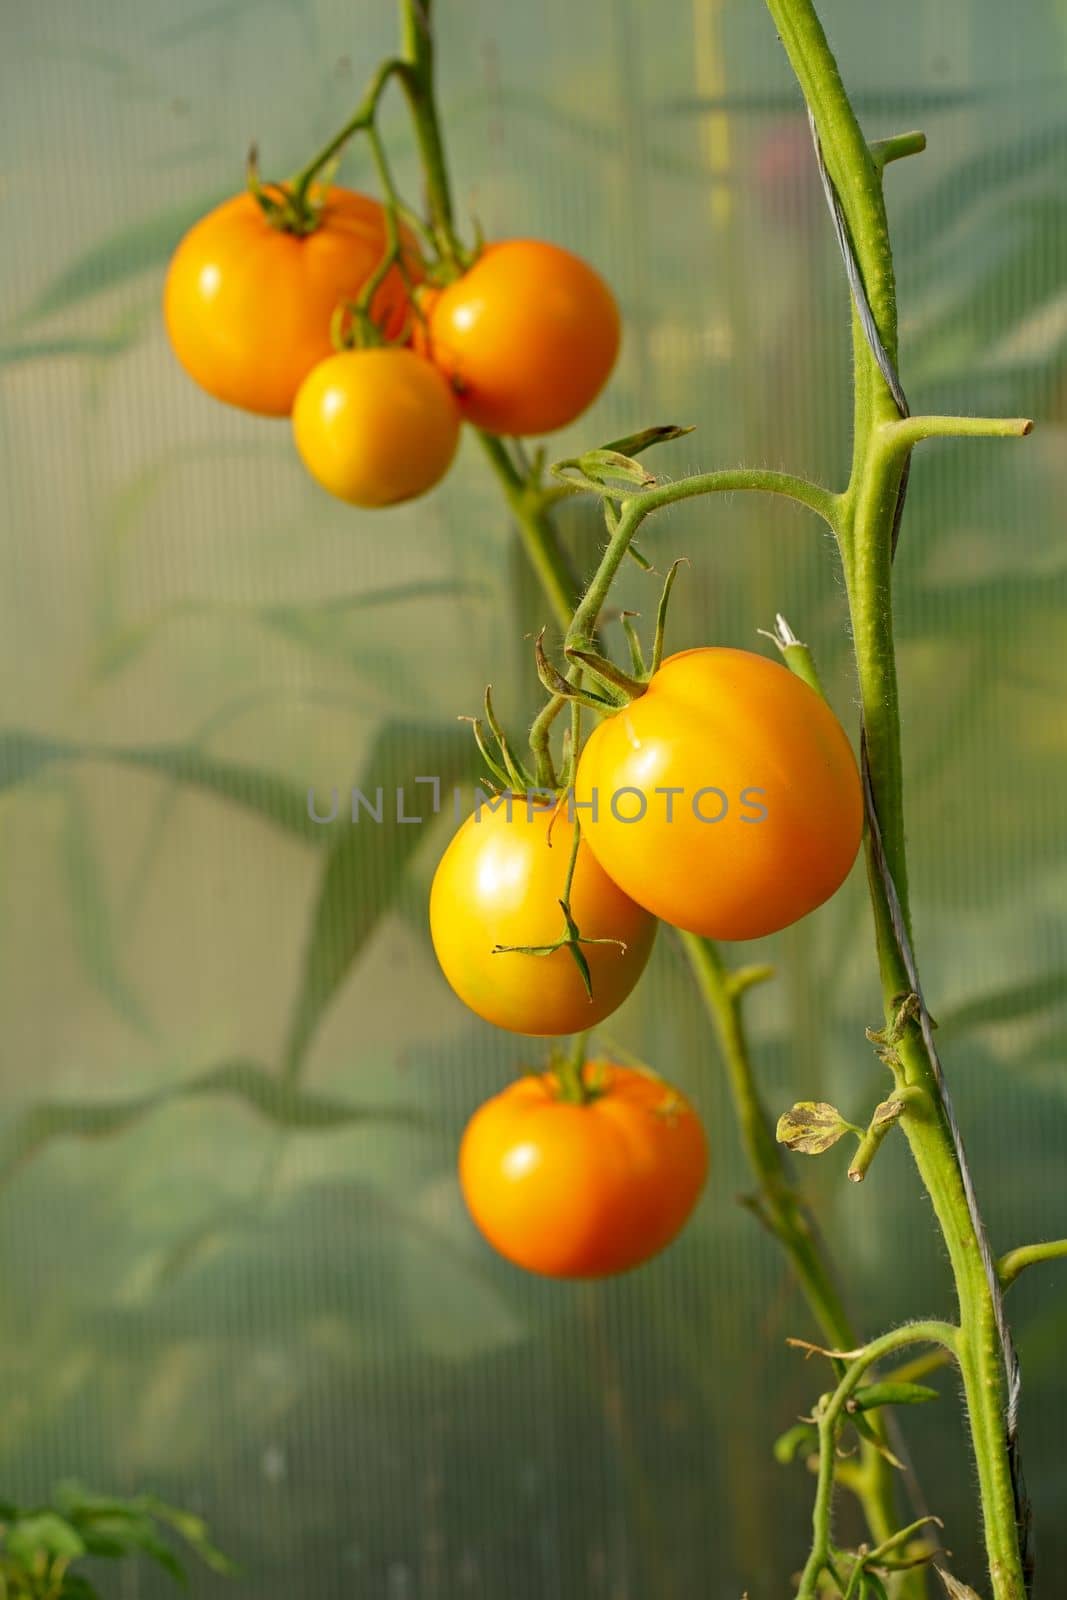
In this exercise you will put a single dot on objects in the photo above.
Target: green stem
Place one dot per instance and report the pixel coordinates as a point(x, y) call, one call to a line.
point(536, 530)
point(361, 119)
point(417, 49)
point(1028, 1255)
point(830, 1417)
point(781, 1209)
point(865, 536)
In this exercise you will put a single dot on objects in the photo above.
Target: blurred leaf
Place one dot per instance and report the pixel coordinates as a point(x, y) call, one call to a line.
point(43, 1532)
point(274, 799)
point(367, 860)
point(282, 1104)
point(975, 182)
point(139, 248)
point(93, 926)
point(1007, 1005)
point(803, 1436)
point(319, 624)
point(23, 755)
point(54, 349)
point(194, 1530)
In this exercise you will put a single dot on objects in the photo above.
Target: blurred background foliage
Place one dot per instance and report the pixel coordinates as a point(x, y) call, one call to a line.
point(235, 1266)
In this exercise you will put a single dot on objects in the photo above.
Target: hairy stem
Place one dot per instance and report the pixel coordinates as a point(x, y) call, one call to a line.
point(865, 535)
point(829, 1415)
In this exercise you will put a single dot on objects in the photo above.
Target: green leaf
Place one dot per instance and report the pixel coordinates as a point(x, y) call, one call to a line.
point(122, 255)
point(92, 922)
point(43, 1532)
point(1007, 1005)
point(811, 1127)
point(367, 861)
point(23, 350)
point(194, 1530)
point(873, 1395)
point(23, 755)
point(281, 1103)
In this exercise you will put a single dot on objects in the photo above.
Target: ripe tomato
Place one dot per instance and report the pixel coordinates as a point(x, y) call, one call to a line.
point(582, 1191)
point(248, 307)
point(499, 883)
point(529, 336)
point(376, 426)
point(767, 813)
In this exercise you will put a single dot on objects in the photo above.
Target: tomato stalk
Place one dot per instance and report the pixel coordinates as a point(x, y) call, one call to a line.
point(531, 505)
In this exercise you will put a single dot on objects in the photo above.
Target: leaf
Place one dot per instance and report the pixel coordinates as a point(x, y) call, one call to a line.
point(271, 797)
point(93, 927)
point(635, 443)
point(194, 1530)
point(60, 348)
point(788, 1445)
point(1008, 1004)
point(366, 863)
point(125, 254)
point(873, 1395)
point(43, 1532)
point(954, 1588)
point(283, 1104)
point(23, 755)
point(811, 1127)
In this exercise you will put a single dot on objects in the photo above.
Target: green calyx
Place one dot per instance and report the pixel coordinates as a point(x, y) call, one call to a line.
point(290, 208)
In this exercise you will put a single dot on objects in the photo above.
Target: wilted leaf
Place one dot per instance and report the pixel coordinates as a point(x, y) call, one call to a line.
point(365, 865)
point(954, 1588)
point(873, 1395)
point(811, 1127)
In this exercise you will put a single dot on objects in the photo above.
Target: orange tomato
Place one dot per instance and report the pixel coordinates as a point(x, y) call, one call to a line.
point(376, 426)
point(248, 307)
point(583, 1191)
point(528, 335)
point(499, 883)
point(767, 810)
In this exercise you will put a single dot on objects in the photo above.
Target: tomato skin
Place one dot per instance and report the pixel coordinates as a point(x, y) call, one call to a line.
point(248, 307)
point(499, 882)
point(375, 427)
point(733, 720)
point(583, 1191)
point(529, 336)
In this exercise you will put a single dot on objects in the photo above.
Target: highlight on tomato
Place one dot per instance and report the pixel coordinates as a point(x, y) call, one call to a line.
point(376, 426)
point(249, 305)
point(529, 335)
point(726, 798)
point(583, 1190)
point(500, 883)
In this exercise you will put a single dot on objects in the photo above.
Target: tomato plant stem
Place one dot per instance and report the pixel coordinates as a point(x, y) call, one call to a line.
point(780, 1208)
point(536, 530)
point(866, 532)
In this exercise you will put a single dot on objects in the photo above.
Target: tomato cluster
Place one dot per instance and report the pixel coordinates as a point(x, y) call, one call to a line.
point(573, 1186)
point(520, 342)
